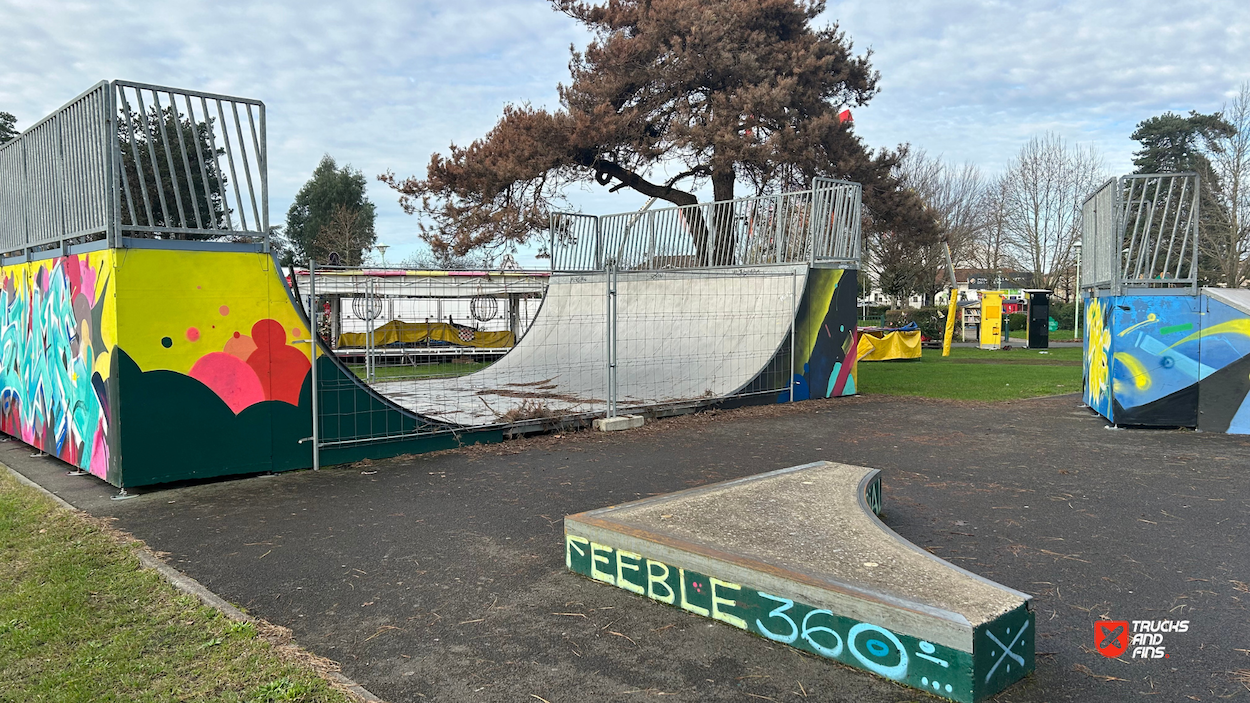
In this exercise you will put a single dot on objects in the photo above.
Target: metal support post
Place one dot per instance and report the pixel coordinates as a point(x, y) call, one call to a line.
point(599, 262)
point(1079, 293)
point(316, 405)
point(609, 275)
point(794, 314)
point(369, 329)
point(514, 316)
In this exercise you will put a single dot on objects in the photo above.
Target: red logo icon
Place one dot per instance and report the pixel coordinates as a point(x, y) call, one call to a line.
point(1111, 637)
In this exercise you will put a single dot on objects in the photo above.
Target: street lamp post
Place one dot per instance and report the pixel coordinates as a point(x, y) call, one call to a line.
point(382, 249)
point(1079, 297)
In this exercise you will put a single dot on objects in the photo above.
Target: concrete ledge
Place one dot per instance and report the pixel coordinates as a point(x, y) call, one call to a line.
point(620, 422)
point(799, 556)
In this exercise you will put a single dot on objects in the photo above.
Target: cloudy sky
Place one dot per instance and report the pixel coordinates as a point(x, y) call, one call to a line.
point(383, 84)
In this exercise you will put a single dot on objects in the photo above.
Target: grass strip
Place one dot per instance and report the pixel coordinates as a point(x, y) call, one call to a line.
point(973, 374)
point(441, 370)
point(81, 621)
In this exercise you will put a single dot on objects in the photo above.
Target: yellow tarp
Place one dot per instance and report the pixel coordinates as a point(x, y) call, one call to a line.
point(884, 346)
point(398, 332)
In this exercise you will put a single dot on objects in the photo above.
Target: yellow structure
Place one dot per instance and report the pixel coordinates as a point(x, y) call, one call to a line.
point(885, 346)
point(951, 310)
point(992, 319)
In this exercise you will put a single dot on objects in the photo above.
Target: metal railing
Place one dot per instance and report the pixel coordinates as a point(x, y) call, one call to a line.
point(1141, 231)
point(1099, 236)
point(822, 224)
point(135, 160)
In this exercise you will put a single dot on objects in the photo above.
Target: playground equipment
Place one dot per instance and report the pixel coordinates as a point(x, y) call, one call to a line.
point(672, 309)
point(799, 556)
point(991, 320)
point(1159, 350)
point(151, 336)
point(418, 306)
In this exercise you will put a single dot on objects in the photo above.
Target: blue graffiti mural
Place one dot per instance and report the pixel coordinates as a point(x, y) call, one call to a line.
point(1168, 360)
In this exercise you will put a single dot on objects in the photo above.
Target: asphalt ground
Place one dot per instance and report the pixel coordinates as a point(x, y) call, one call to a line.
point(441, 577)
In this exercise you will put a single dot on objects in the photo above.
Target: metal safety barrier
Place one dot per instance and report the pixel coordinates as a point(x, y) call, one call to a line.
point(821, 224)
point(1141, 231)
point(129, 159)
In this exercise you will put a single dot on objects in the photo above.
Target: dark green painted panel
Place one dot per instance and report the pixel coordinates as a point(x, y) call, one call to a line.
point(1003, 651)
point(174, 428)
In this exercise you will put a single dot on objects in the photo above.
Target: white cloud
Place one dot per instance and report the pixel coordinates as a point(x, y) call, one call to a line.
point(973, 80)
point(382, 85)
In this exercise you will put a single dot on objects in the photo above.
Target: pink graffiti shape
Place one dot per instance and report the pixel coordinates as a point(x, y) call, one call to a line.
point(230, 378)
point(224, 310)
point(844, 373)
point(100, 452)
point(88, 279)
point(193, 334)
point(280, 368)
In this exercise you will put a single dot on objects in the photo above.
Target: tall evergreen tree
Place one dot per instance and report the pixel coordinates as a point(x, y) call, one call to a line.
point(719, 92)
point(1175, 143)
point(331, 214)
point(1172, 142)
point(8, 127)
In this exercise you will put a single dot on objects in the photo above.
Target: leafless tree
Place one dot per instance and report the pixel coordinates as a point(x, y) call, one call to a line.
point(346, 232)
point(1227, 241)
point(1044, 187)
point(990, 250)
point(952, 196)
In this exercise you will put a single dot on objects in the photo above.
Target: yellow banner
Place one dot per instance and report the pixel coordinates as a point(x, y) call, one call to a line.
point(399, 332)
point(884, 346)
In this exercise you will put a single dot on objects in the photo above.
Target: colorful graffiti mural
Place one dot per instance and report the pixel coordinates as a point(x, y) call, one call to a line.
point(1097, 356)
point(57, 330)
point(825, 336)
point(1169, 360)
point(224, 319)
point(213, 367)
point(145, 366)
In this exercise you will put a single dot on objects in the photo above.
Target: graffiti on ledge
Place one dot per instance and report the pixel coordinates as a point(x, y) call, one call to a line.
point(932, 667)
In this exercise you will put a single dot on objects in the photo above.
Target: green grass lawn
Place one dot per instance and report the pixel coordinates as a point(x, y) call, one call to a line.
point(972, 374)
point(441, 370)
point(1059, 335)
point(80, 621)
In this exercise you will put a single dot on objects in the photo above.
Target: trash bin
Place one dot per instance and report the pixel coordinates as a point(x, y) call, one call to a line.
point(1039, 319)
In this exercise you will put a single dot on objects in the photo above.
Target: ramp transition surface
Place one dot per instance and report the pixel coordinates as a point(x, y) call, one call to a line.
point(681, 336)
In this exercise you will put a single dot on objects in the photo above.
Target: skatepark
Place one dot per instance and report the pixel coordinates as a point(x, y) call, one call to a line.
point(873, 546)
point(463, 554)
